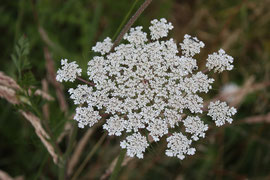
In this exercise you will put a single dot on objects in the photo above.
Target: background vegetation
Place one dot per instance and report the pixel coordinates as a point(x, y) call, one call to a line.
point(35, 35)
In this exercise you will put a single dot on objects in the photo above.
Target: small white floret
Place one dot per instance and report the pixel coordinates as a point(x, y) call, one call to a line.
point(86, 116)
point(114, 125)
point(160, 28)
point(81, 94)
point(135, 145)
point(135, 122)
point(136, 36)
point(191, 46)
point(103, 47)
point(221, 112)
point(69, 71)
point(178, 146)
point(219, 61)
point(157, 128)
point(195, 126)
point(198, 82)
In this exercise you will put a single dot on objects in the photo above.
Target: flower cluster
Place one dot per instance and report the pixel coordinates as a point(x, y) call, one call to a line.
point(195, 126)
point(69, 71)
point(103, 47)
point(179, 145)
point(145, 86)
point(135, 145)
point(221, 112)
point(86, 116)
point(219, 61)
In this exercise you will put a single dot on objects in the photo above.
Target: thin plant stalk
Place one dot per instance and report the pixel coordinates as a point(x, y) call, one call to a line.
point(63, 172)
point(118, 165)
point(89, 156)
point(85, 81)
point(125, 19)
point(43, 162)
point(131, 22)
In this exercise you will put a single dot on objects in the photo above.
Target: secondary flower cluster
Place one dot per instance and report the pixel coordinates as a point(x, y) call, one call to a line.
point(146, 87)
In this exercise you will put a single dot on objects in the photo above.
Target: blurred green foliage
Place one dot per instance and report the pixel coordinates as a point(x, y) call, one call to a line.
point(69, 28)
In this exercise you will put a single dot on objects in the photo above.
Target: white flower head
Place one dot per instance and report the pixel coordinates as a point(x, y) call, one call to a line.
point(195, 126)
point(146, 86)
point(160, 28)
point(135, 145)
point(103, 47)
point(220, 112)
point(69, 71)
point(86, 116)
point(191, 45)
point(178, 146)
point(219, 61)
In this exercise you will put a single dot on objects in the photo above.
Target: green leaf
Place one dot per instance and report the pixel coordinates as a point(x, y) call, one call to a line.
point(19, 57)
point(28, 80)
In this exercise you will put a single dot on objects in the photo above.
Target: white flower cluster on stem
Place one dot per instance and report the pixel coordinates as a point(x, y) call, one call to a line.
point(145, 86)
point(179, 145)
point(103, 47)
point(219, 61)
point(221, 112)
point(160, 28)
point(195, 126)
point(69, 71)
point(86, 116)
point(135, 145)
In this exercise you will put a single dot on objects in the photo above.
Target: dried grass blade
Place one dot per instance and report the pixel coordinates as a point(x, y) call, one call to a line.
point(42, 134)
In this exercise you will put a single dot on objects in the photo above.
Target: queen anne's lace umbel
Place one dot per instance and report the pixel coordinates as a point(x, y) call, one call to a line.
point(145, 86)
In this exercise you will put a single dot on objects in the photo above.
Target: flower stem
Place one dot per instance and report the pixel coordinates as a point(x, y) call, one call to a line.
point(125, 19)
point(205, 71)
point(87, 82)
point(131, 22)
point(118, 165)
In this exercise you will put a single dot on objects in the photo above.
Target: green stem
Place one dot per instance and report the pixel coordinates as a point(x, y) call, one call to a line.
point(118, 165)
point(125, 19)
point(63, 165)
point(131, 22)
point(44, 161)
